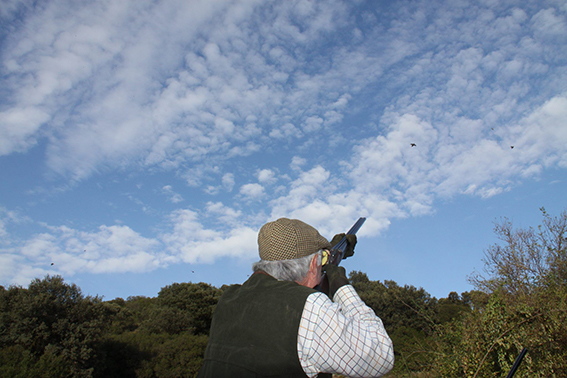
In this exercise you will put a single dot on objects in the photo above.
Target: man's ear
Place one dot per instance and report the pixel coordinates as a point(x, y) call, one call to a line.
point(313, 265)
point(313, 276)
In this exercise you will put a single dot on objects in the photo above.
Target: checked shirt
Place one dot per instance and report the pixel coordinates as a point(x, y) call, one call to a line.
point(343, 337)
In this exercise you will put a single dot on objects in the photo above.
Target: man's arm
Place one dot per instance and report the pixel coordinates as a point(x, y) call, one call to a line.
point(344, 337)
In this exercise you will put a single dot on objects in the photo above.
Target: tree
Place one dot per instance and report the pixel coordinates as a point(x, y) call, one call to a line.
point(524, 305)
point(51, 327)
point(408, 315)
point(188, 305)
point(160, 337)
point(528, 261)
point(450, 308)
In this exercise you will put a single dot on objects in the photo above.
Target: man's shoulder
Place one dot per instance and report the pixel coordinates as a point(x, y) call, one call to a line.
point(263, 285)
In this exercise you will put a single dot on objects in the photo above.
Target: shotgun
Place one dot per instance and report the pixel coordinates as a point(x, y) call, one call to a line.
point(337, 253)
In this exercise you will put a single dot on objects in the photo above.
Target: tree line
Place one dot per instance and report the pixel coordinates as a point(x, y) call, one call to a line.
point(50, 329)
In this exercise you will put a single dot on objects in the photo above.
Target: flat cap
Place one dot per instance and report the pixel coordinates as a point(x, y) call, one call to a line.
point(286, 239)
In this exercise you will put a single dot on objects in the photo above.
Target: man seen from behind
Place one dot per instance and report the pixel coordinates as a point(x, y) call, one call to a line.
point(277, 325)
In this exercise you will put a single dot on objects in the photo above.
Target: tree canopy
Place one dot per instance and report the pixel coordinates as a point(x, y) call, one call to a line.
point(50, 329)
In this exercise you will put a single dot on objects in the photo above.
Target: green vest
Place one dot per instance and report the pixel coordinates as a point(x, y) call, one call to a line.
point(254, 330)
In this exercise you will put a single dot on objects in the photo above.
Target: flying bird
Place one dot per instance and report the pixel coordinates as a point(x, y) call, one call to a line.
point(511, 146)
point(52, 264)
point(413, 144)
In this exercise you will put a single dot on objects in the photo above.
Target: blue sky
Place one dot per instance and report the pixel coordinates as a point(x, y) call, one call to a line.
point(145, 142)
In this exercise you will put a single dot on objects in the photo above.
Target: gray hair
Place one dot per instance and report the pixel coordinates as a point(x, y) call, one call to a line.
point(287, 270)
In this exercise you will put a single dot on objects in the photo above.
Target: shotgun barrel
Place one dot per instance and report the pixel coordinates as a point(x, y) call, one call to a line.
point(338, 250)
point(337, 253)
point(517, 363)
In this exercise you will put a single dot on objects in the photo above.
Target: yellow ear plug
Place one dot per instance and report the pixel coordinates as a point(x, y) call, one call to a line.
point(325, 257)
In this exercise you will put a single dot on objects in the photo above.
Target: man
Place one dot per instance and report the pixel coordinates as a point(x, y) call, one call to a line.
point(277, 325)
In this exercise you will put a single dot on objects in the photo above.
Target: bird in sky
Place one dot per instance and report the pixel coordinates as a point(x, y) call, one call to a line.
point(413, 144)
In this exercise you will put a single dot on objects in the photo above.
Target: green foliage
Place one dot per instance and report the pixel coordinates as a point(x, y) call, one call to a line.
point(453, 307)
point(408, 314)
point(524, 305)
point(52, 327)
point(398, 306)
point(17, 362)
point(188, 305)
point(121, 358)
point(180, 356)
point(151, 355)
point(124, 318)
point(51, 330)
point(161, 337)
point(139, 310)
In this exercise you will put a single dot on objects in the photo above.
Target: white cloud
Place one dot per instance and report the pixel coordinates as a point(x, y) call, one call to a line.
point(390, 159)
point(119, 249)
point(132, 100)
point(3, 220)
point(9, 268)
point(228, 181)
point(312, 124)
point(40, 247)
point(173, 196)
point(110, 249)
point(547, 24)
point(307, 188)
point(466, 161)
point(266, 176)
point(542, 135)
point(140, 103)
point(286, 131)
point(67, 52)
point(17, 128)
point(9, 217)
point(297, 162)
point(190, 242)
point(225, 214)
point(252, 191)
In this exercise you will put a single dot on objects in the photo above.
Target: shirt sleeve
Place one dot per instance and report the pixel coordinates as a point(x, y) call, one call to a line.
point(345, 337)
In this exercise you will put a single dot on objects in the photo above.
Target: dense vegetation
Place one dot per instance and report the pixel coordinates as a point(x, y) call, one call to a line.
point(51, 329)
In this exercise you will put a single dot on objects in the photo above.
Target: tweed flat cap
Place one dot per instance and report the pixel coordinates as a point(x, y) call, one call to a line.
point(286, 239)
